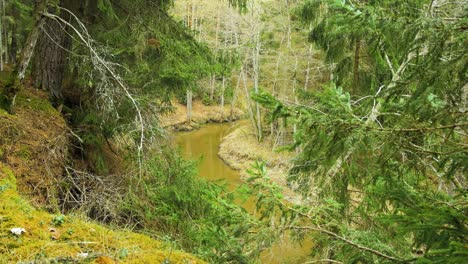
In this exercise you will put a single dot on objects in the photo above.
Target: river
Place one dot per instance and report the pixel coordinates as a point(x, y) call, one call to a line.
point(205, 143)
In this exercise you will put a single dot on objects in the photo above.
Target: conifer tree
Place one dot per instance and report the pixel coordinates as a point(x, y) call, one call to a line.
point(385, 173)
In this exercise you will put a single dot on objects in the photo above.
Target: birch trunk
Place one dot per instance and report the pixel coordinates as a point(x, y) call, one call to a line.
point(249, 100)
point(256, 69)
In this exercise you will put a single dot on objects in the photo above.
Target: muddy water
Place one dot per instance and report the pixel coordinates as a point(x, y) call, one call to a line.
point(204, 143)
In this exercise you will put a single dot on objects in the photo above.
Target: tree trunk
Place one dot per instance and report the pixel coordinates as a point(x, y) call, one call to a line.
point(234, 97)
point(223, 89)
point(14, 85)
point(256, 69)
point(189, 106)
point(51, 60)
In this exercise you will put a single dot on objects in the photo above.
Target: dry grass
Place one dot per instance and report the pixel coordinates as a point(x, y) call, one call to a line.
point(240, 150)
point(62, 241)
point(34, 144)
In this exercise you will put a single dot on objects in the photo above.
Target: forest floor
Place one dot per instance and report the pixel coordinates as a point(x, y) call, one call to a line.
point(201, 114)
point(34, 149)
point(240, 149)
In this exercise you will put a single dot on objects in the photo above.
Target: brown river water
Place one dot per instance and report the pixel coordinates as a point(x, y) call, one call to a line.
point(205, 143)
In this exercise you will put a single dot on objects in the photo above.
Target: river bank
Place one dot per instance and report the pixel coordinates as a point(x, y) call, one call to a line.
point(240, 149)
point(201, 114)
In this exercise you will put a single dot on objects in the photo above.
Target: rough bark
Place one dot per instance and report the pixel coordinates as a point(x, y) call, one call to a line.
point(51, 60)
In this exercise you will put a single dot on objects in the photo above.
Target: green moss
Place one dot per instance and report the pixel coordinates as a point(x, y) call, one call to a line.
point(7, 177)
point(24, 152)
point(35, 103)
point(46, 243)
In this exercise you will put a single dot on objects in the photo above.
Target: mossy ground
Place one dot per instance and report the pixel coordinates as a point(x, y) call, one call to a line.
point(65, 240)
point(33, 152)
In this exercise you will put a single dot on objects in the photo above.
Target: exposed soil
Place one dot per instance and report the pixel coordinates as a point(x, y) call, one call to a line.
point(240, 150)
point(201, 114)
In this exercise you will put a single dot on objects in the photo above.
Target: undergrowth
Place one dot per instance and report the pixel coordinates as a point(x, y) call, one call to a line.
point(197, 215)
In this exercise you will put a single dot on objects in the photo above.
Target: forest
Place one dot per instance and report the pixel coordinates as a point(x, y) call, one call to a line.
point(234, 131)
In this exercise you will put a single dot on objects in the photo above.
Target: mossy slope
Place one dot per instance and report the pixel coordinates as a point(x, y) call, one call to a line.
point(51, 239)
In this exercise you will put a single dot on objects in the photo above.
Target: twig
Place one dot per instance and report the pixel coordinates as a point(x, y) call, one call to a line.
point(347, 241)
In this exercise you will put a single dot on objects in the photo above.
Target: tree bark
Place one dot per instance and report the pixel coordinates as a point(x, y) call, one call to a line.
point(51, 60)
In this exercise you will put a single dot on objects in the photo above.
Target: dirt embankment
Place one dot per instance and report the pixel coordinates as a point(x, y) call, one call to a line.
point(240, 150)
point(201, 114)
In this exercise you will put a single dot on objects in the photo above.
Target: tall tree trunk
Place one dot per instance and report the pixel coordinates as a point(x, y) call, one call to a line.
point(256, 69)
point(189, 106)
point(52, 53)
point(51, 60)
point(190, 25)
point(223, 89)
point(14, 85)
point(234, 97)
point(249, 100)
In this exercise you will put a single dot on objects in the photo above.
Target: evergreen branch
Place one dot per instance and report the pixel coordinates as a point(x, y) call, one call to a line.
point(323, 260)
point(347, 241)
point(421, 128)
point(335, 235)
